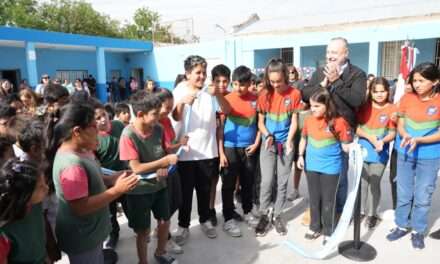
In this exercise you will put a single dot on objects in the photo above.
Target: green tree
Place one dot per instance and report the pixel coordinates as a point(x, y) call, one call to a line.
point(19, 13)
point(77, 17)
point(147, 26)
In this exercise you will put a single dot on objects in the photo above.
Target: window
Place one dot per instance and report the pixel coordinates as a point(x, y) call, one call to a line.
point(71, 75)
point(437, 53)
point(391, 56)
point(287, 56)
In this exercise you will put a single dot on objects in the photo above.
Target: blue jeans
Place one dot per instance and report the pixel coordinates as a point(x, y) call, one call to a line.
point(341, 195)
point(416, 180)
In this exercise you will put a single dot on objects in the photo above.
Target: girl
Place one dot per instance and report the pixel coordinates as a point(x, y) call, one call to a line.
point(82, 219)
point(376, 129)
point(22, 230)
point(418, 158)
point(6, 88)
point(277, 121)
point(30, 100)
point(325, 136)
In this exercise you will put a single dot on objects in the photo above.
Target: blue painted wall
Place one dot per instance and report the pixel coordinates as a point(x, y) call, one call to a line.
point(312, 56)
point(116, 61)
point(261, 57)
point(50, 60)
point(359, 53)
point(12, 58)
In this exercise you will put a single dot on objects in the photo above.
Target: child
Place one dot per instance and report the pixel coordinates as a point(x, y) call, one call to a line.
point(376, 130)
point(241, 141)
point(6, 150)
point(108, 156)
point(221, 76)
point(7, 113)
point(141, 146)
point(82, 221)
point(277, 121)
point(122, 119)
point(22, 229)
point(198, 165)
point(418, 160)
point(324, 137)
point(171, 146)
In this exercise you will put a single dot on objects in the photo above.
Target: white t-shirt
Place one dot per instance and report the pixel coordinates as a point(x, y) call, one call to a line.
point(201, 126)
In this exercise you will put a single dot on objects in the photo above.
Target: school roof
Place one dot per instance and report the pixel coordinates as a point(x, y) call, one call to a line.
point(323, 15)
point(12, 36)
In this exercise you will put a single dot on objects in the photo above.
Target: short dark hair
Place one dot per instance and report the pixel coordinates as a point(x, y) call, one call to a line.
point(193, 61)
point(121, 108)
point(54, 92)
point(242, 74)
point(110, 110)
point(32, 134)
point(164, 94)
point(7, 111)
point(221, 70)
point(144, 102)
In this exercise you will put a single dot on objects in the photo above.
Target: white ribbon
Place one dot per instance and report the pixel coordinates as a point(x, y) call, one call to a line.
point(355, 168)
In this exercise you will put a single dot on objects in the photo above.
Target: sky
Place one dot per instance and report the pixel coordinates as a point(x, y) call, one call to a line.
point(204, 15)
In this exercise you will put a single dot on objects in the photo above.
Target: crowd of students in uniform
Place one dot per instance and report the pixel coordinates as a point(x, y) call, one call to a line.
point(66, 167)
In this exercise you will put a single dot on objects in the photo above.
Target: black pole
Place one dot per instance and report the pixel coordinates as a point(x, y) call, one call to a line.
point(356, 249)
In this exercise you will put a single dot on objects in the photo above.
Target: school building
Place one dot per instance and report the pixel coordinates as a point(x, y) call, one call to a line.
point(375, 37)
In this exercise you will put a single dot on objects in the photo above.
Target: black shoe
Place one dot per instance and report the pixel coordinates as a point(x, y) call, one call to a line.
point(371, 222)
point(213, 217)
point(111, 241)
point(435, 234)
point(237, 216)
point(110, 256)
point(280, 226)
point(263, 226)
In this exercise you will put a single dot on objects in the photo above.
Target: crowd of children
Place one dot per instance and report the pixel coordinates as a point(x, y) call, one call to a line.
point(68, 162)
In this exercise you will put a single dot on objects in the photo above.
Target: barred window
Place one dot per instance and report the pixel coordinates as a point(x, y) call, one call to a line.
point(391, 55)
point(71, 75)
point(287, 56)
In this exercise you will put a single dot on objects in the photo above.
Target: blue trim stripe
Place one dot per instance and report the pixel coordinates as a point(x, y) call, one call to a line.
point(33, 35)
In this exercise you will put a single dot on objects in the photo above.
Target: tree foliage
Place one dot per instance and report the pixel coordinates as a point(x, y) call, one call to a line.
point(79, 17)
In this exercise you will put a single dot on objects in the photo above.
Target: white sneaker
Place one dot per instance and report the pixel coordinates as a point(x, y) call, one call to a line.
point(208, 229)
point(172, 247)
point(181, 235)
point(231, 228)
point(251, 220)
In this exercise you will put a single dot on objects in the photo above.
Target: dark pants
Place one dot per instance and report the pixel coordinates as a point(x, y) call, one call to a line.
point(393, 174)
point(322, 195)
point(114, 213)
point(242, 165)
point(196, 175)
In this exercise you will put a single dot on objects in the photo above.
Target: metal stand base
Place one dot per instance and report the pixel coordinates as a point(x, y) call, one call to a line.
point(364, 253)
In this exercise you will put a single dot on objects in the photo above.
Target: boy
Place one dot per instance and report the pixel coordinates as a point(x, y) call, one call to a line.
point(108, 155)
point(141, 146)
point(198, 165)
point(122, 119)
point(241, 141)
point(220, 77)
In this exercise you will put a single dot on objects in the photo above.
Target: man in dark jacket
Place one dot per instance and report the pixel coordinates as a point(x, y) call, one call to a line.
point(347, 84)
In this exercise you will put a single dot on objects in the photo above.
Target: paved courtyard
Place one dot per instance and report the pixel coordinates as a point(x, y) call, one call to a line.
point(270, 249)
